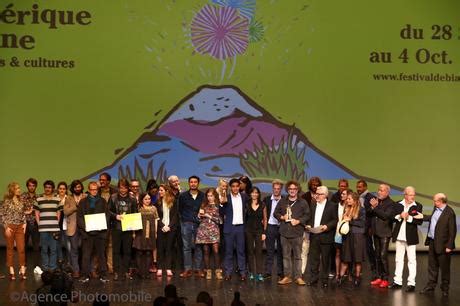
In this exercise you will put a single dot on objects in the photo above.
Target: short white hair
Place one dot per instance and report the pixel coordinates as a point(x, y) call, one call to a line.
point(323, 189)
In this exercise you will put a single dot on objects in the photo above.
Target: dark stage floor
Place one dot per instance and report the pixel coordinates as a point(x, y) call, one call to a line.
point(266, 293)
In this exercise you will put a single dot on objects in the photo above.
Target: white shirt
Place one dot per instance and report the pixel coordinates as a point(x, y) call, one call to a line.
point(319, 212)
point(165, 219)
point(402, 229)
point(272, 220)
point(237, 206)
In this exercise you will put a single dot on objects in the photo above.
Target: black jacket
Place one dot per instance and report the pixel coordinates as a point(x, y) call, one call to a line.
point(330, 218)
point(445, 231)
point(382, 218)
point(120, 205)
point(411, 227)
point(173, 216)
point(84, 209)
point(268, 204)
point(300, 211)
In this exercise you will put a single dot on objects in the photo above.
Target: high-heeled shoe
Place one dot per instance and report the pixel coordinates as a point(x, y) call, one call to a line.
point(12, 276)
point(159, 273)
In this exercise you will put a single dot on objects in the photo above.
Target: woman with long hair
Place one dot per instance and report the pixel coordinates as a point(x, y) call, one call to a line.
point(354, 243)
point(208, 233)
point(338, 237)
point(145, 239)
point(168, 214)
point(255, 228)
point(14, 220)
point(245, 184)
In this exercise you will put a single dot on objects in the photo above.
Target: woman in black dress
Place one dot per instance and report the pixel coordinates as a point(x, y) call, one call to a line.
point(354, 243)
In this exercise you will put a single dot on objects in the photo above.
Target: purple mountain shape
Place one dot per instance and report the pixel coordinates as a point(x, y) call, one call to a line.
point(209, 133)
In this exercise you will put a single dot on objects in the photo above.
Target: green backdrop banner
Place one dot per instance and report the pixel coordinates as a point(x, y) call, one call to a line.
point(220, 88)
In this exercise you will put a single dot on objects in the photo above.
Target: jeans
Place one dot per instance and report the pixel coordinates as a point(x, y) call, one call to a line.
point(47, 242)
point(188, 231)
point(72, 251)
point(292, 267)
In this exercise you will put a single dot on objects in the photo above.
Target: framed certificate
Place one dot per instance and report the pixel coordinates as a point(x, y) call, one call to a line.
point(95, 222)
point(131, 222)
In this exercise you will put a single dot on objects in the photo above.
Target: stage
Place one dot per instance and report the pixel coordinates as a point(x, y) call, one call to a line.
point(143, 292)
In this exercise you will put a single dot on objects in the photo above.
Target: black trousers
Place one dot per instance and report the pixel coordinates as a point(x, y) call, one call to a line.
point(122, 243)
point(438, 262)
point(165, 248)
point(371, 255)
point(88, 244)
point(33, 234)
point(319, 253)
point(381, 256)
point(272, 243)
point(254, 252)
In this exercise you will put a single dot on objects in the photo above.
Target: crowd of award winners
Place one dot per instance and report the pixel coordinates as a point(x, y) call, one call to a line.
point(312, 238)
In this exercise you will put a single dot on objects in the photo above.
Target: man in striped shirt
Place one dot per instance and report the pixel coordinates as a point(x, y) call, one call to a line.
point(47, 211)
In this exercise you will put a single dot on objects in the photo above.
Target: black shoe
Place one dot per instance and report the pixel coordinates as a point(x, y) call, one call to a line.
point(394, 285)
point(445, 293)
point(103, 279)
point(427, 290)
point(357, 281)
point(267, 275)
point(324, 285)
point(83, 279)
point(410, 288)
point(228, 277)
point(312, 283)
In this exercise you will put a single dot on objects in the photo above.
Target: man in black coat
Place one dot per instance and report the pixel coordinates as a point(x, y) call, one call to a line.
point(324, 215)
point(273, 232)
point(405, 237)
point(382, 215)
point(440, 240)
point(93, 239)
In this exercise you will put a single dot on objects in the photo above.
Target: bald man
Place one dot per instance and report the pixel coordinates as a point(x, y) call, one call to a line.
point(440, 240)
point(405, 237)
point(382, 215)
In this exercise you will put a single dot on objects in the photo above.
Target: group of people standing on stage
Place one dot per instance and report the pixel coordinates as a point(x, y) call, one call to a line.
point(311, 233)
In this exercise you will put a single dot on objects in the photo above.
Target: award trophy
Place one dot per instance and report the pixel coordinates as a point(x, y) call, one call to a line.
point(289, 214)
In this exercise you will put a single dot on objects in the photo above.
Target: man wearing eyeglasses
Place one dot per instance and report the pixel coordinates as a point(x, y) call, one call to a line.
point(324, 217)
point(293, 214)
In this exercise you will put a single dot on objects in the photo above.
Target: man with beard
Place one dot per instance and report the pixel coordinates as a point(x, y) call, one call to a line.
point(70, 224)
point(189, 206)
point(382, 214)
point(342, 186)
point(29, 198)
point(92, 240)
point(121, 203)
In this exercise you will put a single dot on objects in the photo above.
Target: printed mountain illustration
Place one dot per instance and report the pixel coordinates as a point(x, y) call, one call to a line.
point(219, 132)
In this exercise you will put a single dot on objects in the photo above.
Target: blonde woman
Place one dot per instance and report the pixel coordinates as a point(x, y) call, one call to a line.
point(354, 243)
point(14, 221)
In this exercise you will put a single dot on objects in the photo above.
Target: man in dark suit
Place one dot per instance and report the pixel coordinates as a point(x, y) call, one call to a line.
point(382, 214)
point(440, 240)
point(233, 212)
point(324, 215)
point(273, 241)
point(405, 237)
